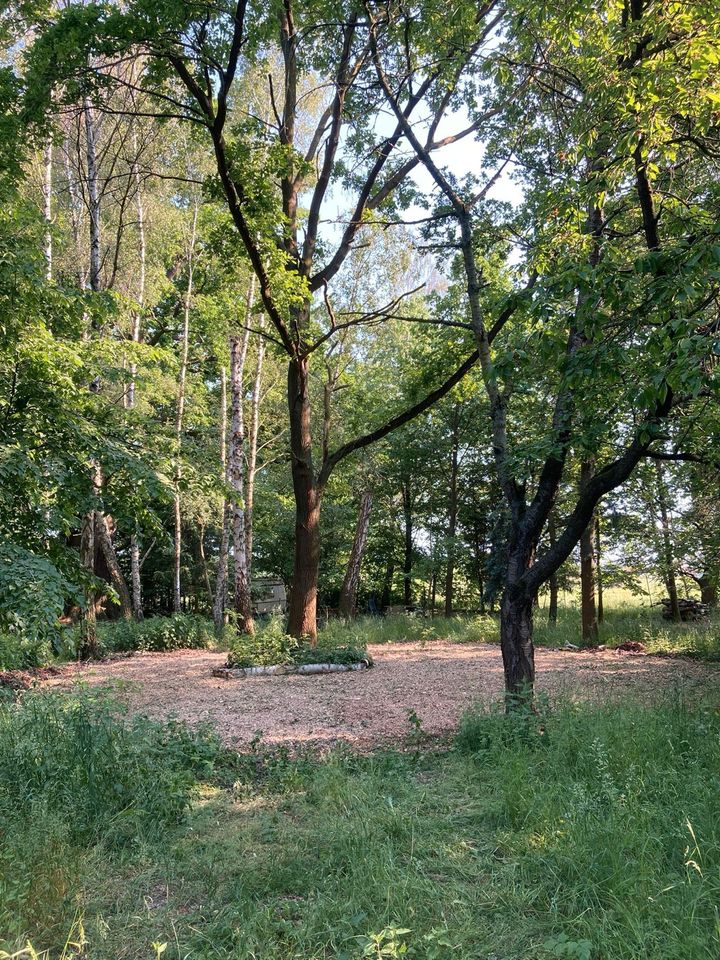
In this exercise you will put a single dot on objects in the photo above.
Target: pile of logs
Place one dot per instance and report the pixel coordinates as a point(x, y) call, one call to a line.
point(691, 611)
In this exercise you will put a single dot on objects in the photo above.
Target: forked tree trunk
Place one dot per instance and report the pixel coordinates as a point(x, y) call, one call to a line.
point(452, 515)
point(302, 618)
point(587, 568)
point(668, 558)
point(553, 582)
point(351, 582)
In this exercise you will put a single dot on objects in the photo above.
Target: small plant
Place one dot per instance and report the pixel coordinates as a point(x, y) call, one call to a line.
point(417, 732)
point(389, 943)
point(562, 946)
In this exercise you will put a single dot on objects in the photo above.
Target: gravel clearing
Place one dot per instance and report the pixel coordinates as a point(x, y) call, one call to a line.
point(437, 680)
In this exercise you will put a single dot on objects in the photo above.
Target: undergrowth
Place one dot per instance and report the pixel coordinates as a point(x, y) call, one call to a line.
point(271, 645)
point(585, 832)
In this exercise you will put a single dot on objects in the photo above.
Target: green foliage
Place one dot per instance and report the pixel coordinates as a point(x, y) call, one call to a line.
point(271, 645)
point(75, 777)
point(585, 831)
point(410, 628)
point(181, 631)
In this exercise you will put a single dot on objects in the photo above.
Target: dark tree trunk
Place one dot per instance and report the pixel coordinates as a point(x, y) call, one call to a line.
point(387, 585)
point(452, 516)
point(348, 593)
point(668, 554)
point(553, 582)
point(302, 619)
point(587, 567)
point(708, 590)
point(516, 632)
point(408, 557)
point(598, 571)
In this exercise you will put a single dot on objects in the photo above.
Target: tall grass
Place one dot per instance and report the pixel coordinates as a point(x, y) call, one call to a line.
point(72, 778)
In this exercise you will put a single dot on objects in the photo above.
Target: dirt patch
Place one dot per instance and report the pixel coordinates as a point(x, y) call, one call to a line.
point(436, 680)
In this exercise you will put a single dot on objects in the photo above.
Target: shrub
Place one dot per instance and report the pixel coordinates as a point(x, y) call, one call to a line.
point(181, 631)
point(271, 645)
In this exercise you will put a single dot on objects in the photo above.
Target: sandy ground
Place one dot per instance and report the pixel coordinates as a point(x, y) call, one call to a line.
point(437, 680)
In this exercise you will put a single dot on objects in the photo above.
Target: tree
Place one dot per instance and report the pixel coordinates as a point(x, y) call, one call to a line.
point(599, 107)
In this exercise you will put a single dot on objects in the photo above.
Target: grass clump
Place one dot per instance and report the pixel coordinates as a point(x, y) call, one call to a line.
point(270, 645)
point(75, 778)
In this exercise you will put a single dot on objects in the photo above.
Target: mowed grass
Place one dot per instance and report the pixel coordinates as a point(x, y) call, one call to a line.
point(583, 832)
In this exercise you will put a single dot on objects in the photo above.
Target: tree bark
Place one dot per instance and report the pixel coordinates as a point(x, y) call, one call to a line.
point(351, 582)
point(179, 414)
point(598, 569)
point(587, 567)
point(516, 632)
point(136, 335)
point(104, 541)
point(668, 559)
point(253, 449)
point(222, 573)
point(452, 514)
point(387, 584)
point(47, 207)
point(93, 195)
point(302, 619)
point(236, 472)
point(553, 581)
point(408, 555)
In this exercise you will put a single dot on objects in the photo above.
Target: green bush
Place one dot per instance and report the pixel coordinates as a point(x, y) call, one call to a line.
point(271, 645)
point(18, 652)
point(181, 631)
point(73, 775)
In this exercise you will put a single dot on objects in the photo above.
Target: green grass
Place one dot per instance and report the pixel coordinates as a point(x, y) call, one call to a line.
point(585, 832)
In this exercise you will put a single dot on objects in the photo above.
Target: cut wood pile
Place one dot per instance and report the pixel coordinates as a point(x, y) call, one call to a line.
point(691, 611)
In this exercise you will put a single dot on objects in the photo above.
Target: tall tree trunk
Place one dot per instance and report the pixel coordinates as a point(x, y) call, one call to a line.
point(516, 633)
point(47, 207)
point(302, 619)
point(136, 335)
point(179, 416)
point(708, 590)
point(668, 558)
point(553, 582)
point(349, 591)
point(253, 449)
point(93, 195)
point(221, 581)
point(452, 514)
point(587, 568)
point(387, 584)
point(408, 555)
point(598, 570)
point(236, 469)
point(104, 541)
point(204, 566)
